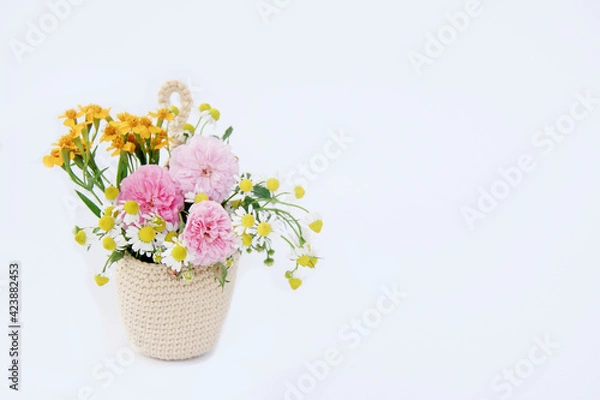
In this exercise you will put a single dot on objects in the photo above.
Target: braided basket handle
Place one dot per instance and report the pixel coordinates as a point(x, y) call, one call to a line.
point(164, 100)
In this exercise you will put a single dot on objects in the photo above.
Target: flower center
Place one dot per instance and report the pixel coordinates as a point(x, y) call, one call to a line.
point(200, 197)
point(316, 225)
point(179, 253)
point(307, 261)
point(109, 243)
point(206, 171)
point(170, 236)
point(111, 193)
point(106, 223)
point(264, 228)
point(147, 234)
point(248, 221)
point(80, 238)
point(246, 240)
point(246, 185)
point(159, 224)
point(131, 207)
point(273, 184)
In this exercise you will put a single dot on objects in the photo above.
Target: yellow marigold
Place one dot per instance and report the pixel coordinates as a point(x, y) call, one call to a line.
point(161, 139)
point(124, 116)
point(94, 111)
point(54, 158)
point(67, 141)
point(145, 127)
point(163, 113)
point(110, 132)
point(70, 117)
point(118, 145)
point(127, 125)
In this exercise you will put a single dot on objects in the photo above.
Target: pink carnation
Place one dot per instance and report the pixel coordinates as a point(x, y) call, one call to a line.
point(208, 233)
point(205, 162)
point(155, 191)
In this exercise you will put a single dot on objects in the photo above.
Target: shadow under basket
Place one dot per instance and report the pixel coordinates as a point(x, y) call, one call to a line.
point(169, 318)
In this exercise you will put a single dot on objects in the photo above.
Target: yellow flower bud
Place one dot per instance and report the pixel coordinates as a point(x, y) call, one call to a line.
point(188, 275)
point(188, 127)
point(216, 114)
point(204, 107)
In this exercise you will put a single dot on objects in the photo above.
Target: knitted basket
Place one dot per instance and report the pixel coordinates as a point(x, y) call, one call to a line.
point(169, 318)
point(165, 317)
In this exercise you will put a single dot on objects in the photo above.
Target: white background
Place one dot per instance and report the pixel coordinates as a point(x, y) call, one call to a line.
point(391, 200)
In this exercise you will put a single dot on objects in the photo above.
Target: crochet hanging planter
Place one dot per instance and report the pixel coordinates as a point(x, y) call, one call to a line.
point(171, 319)
point(176, 229)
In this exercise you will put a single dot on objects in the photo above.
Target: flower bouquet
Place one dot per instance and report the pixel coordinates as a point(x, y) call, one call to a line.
point(175, 232)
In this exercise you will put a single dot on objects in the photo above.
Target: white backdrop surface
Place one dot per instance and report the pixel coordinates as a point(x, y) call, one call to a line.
point(502, 307)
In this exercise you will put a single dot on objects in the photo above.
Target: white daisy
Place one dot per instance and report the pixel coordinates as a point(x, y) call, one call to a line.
point(161, 227)
point(273, 182)
point(305, 256)
point(114, 240)
point(84, 237)
point(314, 221)
point(142, 239)
point(175, 255)
point(267, 224)
point(209, 116)
point(129, 212)
point(196, 196)
point(244, 221)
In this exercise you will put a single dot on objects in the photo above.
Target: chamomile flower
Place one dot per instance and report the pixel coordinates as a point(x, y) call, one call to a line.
point(246, 185)
point(175, 255)
point(314, 221)
point(305, 256)
point(196, 196)
point(246, 240)
point(114, 240)
point(106, 222)
point(267, 224)
point(130, 212)
point(143, 239)
point(208, 114)
point(244, 221)
point(111, 193)
point(273, 183)
point(84, 237)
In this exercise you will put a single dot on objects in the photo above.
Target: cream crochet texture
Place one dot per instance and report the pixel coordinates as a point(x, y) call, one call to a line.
point(169, 318)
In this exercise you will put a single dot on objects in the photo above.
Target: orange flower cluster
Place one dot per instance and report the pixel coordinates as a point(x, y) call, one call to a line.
point(130, 132)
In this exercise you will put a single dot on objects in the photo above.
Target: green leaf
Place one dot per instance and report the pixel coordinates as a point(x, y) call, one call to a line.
point(228, 133)
point(93, 207)
point(113, 258)
point(261, 192)
point(122, 168)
